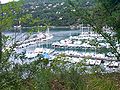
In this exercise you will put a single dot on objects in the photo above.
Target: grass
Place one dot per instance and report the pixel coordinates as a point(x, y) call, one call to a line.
point(73, 81)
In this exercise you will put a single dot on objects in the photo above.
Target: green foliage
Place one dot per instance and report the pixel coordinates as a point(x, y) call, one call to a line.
point(37, 75)
point(8, 13)
point(44, 1)
point(53, 14)
point(100, 82)
point(101, 15)
point(59, 74)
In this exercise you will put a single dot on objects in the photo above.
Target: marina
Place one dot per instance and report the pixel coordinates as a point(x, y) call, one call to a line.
point(74, 44)
point(59, 44)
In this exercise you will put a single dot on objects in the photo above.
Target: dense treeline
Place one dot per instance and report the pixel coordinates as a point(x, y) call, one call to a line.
point(57, 12)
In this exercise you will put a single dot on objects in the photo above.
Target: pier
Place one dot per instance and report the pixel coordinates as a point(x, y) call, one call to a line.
point(90, 57)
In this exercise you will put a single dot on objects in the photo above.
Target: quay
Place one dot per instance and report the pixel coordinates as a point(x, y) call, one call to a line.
point(90, 57)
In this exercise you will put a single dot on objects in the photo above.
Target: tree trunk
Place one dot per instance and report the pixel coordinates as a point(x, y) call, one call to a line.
point(0, 46)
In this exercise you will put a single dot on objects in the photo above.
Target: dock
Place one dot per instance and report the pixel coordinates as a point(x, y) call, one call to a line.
point(90, 57)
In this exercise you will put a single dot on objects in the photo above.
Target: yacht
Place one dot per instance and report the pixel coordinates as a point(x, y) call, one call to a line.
point(40, 37)
point(38, 51)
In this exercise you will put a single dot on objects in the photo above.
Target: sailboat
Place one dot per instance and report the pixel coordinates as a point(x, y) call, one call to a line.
point(48, 35)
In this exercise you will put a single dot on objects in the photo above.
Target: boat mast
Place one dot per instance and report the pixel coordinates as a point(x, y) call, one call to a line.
point(48, 31)
point(82, 28)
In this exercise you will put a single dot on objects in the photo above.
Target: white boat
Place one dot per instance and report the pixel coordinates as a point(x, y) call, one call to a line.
point(31, 55)
point(77, 41)
point(38, 51)
point(97, 62)
point(35, 39)
point(113, 64)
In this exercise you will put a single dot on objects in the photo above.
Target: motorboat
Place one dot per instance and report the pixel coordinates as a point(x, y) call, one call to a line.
point(38, 51)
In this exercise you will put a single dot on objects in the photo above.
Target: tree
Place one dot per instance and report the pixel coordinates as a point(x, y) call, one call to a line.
point(8, 13)
point(11, 74)
point(104, 13)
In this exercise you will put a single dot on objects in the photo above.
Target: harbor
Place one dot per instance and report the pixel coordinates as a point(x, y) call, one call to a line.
point(75, 44)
